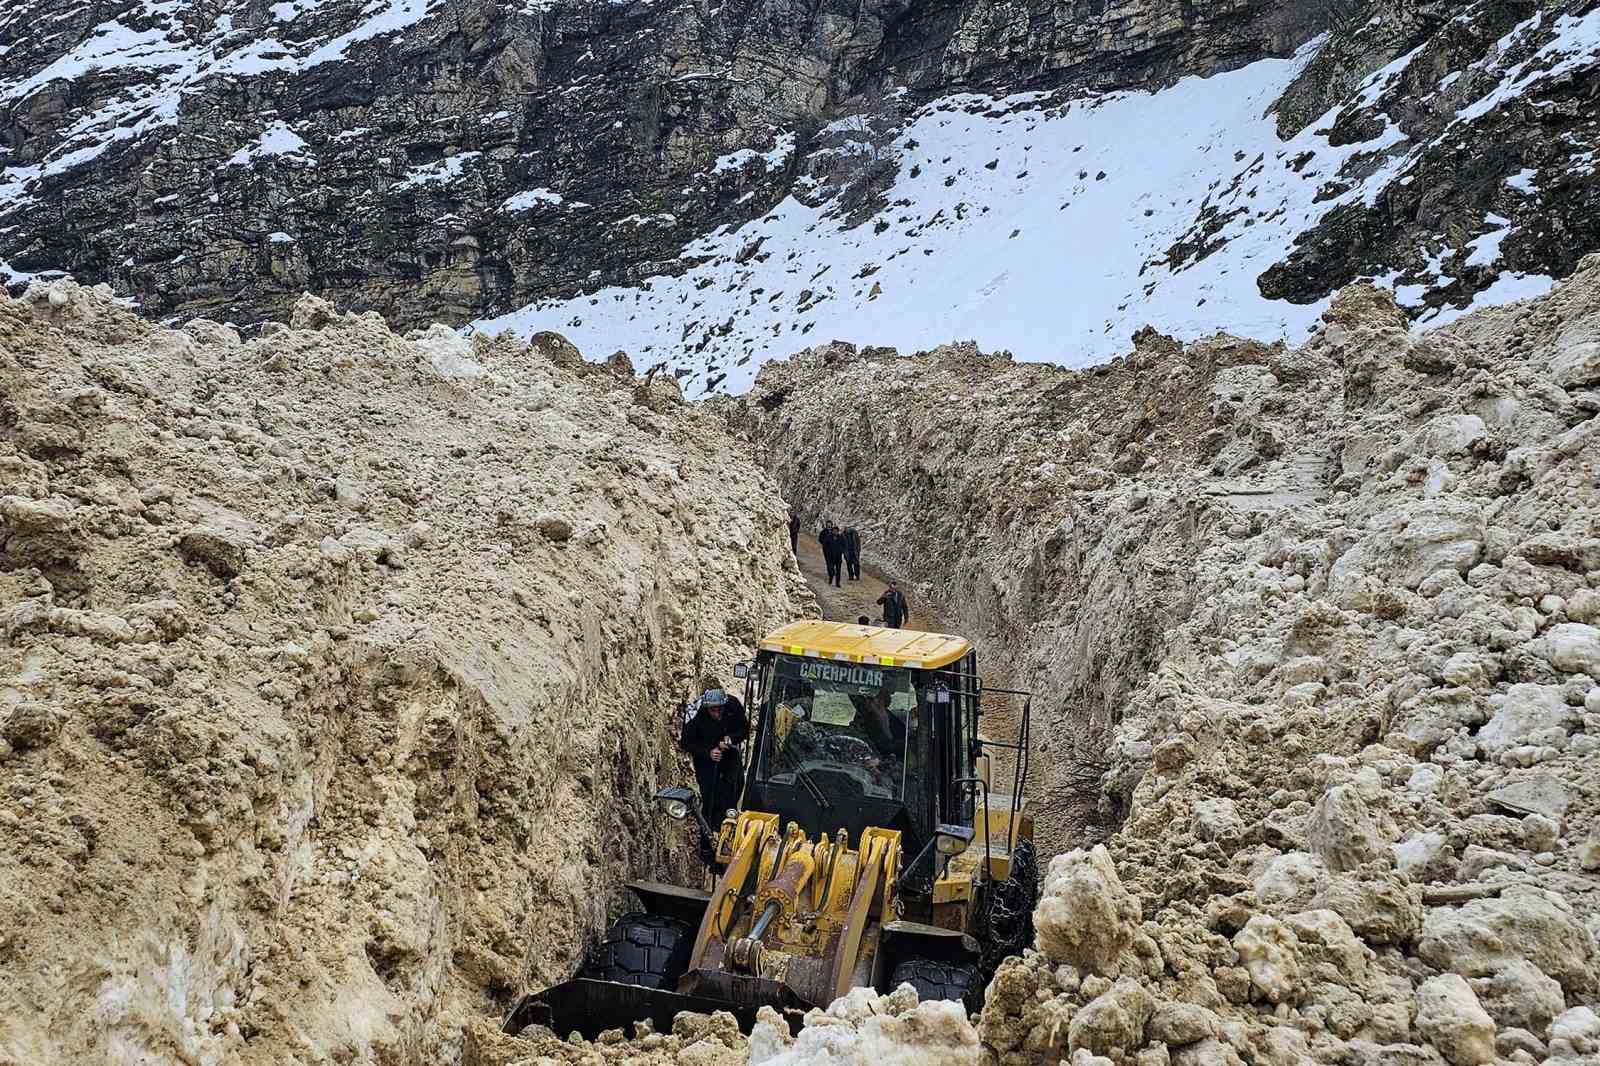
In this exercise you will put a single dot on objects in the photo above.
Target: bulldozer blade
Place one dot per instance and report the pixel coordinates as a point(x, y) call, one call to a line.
point(591, 1007)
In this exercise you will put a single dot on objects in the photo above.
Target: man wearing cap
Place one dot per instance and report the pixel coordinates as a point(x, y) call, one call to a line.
point(715, 727)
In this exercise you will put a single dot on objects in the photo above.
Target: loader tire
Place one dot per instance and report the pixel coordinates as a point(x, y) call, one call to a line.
point(957, 981)
point(650, 950)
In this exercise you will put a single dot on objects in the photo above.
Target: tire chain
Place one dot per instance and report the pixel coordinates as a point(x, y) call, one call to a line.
point(1006, 914)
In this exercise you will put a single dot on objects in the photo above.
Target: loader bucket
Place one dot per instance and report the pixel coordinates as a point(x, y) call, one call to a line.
point(591, 1007)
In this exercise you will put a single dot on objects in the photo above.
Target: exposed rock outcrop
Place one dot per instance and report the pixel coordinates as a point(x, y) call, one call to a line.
point(447, 160)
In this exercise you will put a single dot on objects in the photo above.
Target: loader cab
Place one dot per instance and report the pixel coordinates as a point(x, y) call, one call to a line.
point(860, 726)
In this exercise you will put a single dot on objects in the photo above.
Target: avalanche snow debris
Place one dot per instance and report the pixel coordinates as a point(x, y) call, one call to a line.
point(289, 669)
point(1321, 668)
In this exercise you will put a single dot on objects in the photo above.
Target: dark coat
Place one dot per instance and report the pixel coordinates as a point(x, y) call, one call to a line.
point(895, 608)
point(720, 781)
point(852, 543)
point(832, 542)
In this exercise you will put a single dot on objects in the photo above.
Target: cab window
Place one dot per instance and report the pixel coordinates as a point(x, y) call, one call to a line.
point(849, 722)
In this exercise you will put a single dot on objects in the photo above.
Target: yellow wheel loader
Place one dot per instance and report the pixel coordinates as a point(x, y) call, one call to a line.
point(867, 848)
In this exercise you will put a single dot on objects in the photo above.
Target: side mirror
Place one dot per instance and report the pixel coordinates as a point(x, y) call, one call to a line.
point(678, 802)
point(741, 670)
point(952, 840)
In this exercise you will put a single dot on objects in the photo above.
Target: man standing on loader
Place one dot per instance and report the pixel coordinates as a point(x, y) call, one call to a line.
point(715, 728)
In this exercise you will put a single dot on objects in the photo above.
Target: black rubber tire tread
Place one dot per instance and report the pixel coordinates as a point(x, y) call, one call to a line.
point(958, 981)
point(650, 950)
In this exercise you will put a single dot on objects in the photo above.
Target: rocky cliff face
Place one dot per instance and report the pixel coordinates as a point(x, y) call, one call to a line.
point(452, 159)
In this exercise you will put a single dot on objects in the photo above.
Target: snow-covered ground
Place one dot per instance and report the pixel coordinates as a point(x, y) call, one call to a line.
point(1042, 228)
point(1041, 231)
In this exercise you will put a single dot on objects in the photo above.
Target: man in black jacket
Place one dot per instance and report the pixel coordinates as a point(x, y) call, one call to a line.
point(895, 608)
point(715, 728)
point(852, 552)
point(832, 542)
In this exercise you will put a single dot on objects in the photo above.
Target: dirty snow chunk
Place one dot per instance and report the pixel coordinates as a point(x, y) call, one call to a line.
point(1085, 916)
point(276, 140)
point(1450, 435)
point(1542, 794)
point(1572, 648)
point(1576, 362)
point(279, 237)
point(450, 353)
point(1524, 710)
point(1421, 538)
point(1114, 1021)
point(1485, 935)
point(1521, 996)
point(1267, 948)
point(1291, 879)
point(1576, 1032)
point(1178, 1024)
point(1417, 856)
point(1217, 819)
point(528, 199)
point(1450, 1017)
point(1343, 831)
point(936, 1033)
point(1382, 909)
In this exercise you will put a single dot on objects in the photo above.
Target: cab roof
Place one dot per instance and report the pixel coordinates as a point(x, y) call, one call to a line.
point(849, 642)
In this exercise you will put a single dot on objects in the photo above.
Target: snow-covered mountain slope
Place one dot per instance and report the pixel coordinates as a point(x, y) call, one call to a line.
point(219, 156)
point(1056, 227)
point(705, 186)
point(1035, 227)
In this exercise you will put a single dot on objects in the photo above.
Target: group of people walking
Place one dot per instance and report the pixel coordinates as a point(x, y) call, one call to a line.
point(841, 550)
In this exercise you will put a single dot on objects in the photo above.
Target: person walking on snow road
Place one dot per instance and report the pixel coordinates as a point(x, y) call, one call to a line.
point(794, 532)
point(852, 552)
point(895, 609)
point(832, 542)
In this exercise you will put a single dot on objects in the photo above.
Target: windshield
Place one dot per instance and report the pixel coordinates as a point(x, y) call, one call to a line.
point(833, 721)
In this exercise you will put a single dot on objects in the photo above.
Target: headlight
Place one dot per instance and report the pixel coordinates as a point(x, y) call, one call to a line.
point(952, 840)
point(676, 803)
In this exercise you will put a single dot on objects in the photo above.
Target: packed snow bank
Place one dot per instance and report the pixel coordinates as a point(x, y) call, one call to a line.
point(1314, 640)
point(336, 673)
